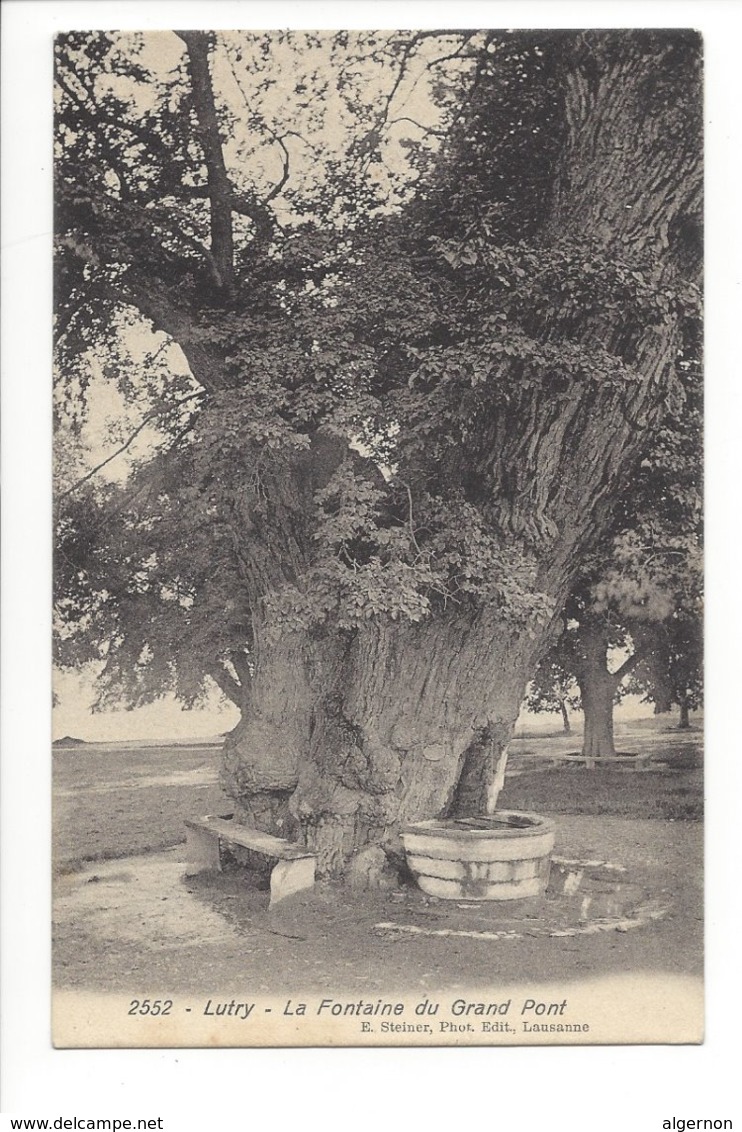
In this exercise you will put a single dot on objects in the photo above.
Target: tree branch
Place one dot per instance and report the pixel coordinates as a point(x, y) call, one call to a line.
point(286, 167)
point(424, 129)
point(226, 683)
point(241, 666)
point(243, 203)
point(100, 117)
point(143, 423)
point(628, 665)
point(220, 188)
point(407, 53)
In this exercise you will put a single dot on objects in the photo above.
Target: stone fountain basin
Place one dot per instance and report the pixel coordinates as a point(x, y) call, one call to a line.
point(500, 856)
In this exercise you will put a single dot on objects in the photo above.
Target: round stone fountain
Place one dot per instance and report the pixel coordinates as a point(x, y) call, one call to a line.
point(500, 856)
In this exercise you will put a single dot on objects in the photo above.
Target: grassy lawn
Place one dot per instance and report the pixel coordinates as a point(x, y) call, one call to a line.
point(112, 801)
point(671, 787)
point(673, 795)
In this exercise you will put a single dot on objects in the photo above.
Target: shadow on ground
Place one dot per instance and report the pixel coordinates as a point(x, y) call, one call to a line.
point(138, 924)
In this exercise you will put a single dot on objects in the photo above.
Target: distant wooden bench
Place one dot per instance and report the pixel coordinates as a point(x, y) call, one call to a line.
point(294, 866)
point(633, 762)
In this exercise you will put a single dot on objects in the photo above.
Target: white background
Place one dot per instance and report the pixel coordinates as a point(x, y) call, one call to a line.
point(577, 1089)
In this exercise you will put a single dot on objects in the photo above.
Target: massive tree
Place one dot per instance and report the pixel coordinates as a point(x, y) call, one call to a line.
point(398, 399)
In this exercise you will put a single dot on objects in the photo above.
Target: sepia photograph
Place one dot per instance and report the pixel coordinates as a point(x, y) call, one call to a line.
point(378, 538)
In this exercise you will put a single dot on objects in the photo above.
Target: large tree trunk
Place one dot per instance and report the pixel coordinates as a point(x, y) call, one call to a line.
point(597, 705)
point(597, 691)
point(684, 713)
point(598, 687)
point(350, 738)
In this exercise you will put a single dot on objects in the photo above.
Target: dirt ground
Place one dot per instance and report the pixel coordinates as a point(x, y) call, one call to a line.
point(126, 917)
point(138, 922)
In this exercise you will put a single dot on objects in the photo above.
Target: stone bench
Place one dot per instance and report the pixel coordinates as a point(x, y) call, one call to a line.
point(629, 762)
point(294, 866)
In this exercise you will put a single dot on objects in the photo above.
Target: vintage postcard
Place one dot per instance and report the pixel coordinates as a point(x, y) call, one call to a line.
point(378, 561)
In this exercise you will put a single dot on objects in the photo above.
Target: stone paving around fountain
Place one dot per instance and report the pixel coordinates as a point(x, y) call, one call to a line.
point(583, 897)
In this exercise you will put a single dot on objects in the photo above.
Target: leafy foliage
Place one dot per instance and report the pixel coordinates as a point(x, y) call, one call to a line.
point(368, 357)
point(554, 687)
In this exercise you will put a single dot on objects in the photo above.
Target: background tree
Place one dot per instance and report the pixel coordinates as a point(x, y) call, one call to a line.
point(672, 672)
point(497, 328)
point(553, 687)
